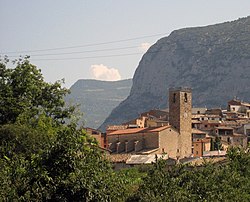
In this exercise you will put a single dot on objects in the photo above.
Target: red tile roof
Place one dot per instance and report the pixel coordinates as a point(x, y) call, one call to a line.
point(197, 131)
point(139, 130)
point(224, 128)
point(127, 131)
point(158, 129)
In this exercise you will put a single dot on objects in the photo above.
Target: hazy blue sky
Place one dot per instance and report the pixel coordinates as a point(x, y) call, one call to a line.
point(30, 25)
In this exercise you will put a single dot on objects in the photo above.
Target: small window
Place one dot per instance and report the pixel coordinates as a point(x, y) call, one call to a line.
point(205, 126)
point(185, 97)
point(197, 152)
point(174, 97)
point(198, 112)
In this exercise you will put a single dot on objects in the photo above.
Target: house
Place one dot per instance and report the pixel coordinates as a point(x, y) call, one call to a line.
point(229, 138)
point(240, 107)
point(98, 135)
point(152, 118)
point(201, 142)
point(245, 129)
point(200, 146)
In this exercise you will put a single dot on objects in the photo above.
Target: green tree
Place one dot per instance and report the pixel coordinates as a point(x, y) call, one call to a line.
point(209, 182)
point(41, 157)
point(68, 168)
point(23, 89)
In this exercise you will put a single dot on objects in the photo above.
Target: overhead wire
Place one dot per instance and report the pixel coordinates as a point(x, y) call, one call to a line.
point(130, 54)
point(84, 45)
point(77, 52)
point(120, 48)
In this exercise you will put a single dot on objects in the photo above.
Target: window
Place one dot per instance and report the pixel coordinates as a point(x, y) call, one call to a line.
point(174, 97)
point(205, 126)
point(185, 97)
point(198, 112)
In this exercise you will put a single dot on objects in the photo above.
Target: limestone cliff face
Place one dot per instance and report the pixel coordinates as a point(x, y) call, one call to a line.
point(213, 60)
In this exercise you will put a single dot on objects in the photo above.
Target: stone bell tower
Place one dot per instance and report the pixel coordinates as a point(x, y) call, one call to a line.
point(180, 117)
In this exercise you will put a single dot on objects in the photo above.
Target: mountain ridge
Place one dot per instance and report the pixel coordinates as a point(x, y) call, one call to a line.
point(97, 98)
point(213, 60)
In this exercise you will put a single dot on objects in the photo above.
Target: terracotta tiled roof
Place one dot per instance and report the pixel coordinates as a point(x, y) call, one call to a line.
point(224, 128)
point(158, 129)
point(116, 127)
point(211, 122)
point(245, 104)
point(139, 130)
point(156, 113)
point(197, 131)
point(239, 135)
point(127, 131)
point(195, 121)
point(234, 102)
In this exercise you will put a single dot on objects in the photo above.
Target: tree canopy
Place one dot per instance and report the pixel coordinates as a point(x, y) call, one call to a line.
point(23, 89)
point(42, 157)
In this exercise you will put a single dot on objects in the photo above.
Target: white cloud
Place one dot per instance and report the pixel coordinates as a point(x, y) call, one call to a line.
point(144, 47)
point(102, 72)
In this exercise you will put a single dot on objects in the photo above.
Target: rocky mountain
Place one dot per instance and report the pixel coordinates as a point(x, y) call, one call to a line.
point(213, 60)
point(98, 98)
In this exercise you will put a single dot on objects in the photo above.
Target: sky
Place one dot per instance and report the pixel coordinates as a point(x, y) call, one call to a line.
point(100, 39)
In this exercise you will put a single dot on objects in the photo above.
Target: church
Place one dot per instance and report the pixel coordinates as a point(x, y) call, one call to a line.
point(173, 139)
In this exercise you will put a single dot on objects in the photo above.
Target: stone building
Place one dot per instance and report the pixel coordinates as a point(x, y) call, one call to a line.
point(173, 139)
point(180, 117)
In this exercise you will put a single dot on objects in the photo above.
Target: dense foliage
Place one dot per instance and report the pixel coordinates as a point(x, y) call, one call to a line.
point(43, 155)
point(23, 89)
point(44, 158)
point(229, 181)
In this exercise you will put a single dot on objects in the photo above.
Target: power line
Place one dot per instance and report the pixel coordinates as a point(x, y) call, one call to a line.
point(84, 45)
point(148, 52)
point(77, 52)
point(128, 54)
point(81, 58)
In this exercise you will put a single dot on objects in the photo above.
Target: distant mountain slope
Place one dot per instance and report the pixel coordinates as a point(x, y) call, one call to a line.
point(213, 60)
point(98, 98)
